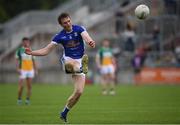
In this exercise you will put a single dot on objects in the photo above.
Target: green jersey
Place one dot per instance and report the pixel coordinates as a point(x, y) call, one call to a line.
point(106, 56)
point(25, 61)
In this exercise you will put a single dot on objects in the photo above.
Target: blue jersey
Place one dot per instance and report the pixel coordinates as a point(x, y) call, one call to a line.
point(71, 41)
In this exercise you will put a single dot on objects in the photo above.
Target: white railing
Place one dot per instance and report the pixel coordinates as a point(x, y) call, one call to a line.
point(30, 23)
point(39, 17)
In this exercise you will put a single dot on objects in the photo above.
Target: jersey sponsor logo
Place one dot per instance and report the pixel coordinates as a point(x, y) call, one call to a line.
point(72, 43)
point(64, 37)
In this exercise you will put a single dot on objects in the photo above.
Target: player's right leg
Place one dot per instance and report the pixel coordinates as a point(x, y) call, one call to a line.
point(104, 80)
point(80, 65)
point(22, 76)
point(71, 65)
point(69, 68)
point(76, 66)
point(20, 90)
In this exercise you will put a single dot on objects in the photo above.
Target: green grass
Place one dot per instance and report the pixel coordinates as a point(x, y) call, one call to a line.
point(131, 104)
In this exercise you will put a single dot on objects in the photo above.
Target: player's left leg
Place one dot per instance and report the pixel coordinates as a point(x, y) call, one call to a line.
point(111, 79)
point(112, 83)
point(29, 87)
point(79, 82)
point(104, 83)
point(29, 77)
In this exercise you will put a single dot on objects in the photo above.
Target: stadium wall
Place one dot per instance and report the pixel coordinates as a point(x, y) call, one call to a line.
point(158, 76)
point(56, 75)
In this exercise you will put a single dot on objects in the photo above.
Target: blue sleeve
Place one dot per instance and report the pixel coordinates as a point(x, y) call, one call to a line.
point(57, 38)
point(81, 29)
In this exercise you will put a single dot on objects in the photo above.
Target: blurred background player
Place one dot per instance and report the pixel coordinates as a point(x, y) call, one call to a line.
point(74, 60)
point(26, 67)
point(106, 63)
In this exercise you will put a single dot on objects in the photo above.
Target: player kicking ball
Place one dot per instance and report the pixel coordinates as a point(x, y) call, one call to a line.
point(72, 38)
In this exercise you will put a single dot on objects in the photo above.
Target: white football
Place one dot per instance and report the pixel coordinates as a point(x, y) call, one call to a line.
point(142, 11)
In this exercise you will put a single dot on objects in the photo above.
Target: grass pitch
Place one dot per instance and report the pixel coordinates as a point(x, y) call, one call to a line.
point(131, 104)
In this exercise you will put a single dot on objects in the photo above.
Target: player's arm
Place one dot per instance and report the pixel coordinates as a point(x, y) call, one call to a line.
point(41, 52)
point(88, 39)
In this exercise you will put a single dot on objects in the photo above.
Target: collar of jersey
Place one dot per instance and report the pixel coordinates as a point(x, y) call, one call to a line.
point(69, 32)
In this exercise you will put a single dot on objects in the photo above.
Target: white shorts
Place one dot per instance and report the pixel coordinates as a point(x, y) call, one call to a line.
point(109, 69)
point(66, 58)
point(26, 74)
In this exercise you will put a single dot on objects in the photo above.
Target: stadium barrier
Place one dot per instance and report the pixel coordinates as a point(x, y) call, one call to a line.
point(158, 76)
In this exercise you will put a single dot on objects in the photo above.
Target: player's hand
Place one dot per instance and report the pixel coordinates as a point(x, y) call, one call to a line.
point(28, 51)
point(92, 44)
